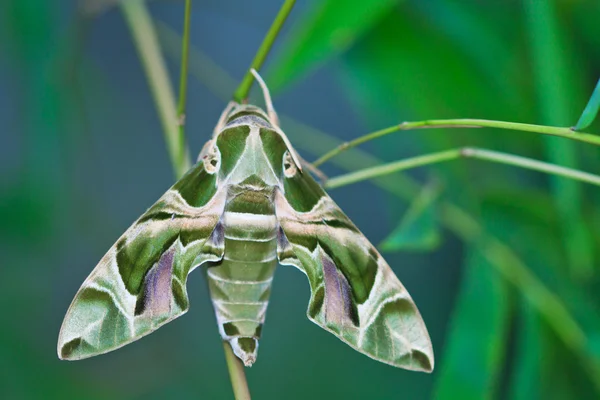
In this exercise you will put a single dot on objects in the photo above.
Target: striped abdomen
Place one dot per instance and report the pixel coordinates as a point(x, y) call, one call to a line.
point(240, 284)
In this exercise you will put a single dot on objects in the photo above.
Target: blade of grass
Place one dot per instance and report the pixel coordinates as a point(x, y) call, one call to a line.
point(590, 111)
point(554, 85)
point(419, 228)
point(478, 335)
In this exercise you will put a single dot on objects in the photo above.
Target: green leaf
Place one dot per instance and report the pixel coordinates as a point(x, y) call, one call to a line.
point(526, 220)
point(479, 334)
point(526, 371)
point(557, 85)
point(329, 28)
point(419, 228)
point(591, 110)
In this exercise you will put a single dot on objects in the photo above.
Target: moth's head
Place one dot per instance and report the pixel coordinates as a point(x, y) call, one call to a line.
point(250, 146)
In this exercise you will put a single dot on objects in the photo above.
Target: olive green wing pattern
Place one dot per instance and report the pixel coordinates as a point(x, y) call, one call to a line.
point(354, 293)
point(140, 284)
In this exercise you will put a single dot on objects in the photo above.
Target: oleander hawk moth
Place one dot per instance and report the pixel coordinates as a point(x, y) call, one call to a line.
point(247, 205)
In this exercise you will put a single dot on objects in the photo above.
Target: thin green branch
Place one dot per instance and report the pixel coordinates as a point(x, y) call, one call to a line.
point(243, 89)
point(237, 374)
point(172, 119)
point(201, 67)
point(185, 50)
point(464, 123)
point(386, 169)
point(144, 36)
point(467, 152)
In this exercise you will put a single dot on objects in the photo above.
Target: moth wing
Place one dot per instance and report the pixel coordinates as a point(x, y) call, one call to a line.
point(354, 293)
point(140, 284)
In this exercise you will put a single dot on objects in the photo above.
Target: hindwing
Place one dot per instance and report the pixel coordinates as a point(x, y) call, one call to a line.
point(354, 293)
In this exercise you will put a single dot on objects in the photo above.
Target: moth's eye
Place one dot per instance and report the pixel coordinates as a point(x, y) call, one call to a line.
point(212, 160)
point(289, 168)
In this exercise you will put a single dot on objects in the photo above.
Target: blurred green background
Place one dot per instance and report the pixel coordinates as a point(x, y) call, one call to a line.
point(510, 294)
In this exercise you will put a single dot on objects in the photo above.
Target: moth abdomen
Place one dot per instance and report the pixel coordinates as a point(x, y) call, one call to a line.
point(240, 284)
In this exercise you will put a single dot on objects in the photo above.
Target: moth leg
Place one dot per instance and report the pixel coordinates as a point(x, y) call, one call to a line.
point(316, 171)
point(223, 118)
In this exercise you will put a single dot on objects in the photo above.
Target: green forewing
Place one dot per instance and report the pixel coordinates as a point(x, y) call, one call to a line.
point(139, 284)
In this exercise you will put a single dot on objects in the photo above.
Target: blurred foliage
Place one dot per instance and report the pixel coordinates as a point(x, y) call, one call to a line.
point(73, 135)
point(419, 227)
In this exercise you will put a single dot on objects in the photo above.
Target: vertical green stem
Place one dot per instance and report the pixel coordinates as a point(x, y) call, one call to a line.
point(144, 36)
point(234, 364)
point(185, 50)
point(244, 88)
point(172, 119)
point(237, 374)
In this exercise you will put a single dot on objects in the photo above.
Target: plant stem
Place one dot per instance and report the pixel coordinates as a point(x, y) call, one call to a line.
point(142, 30)
point(237, 374)
point(140, 23)
point(234, 364)
point(201, 67)
point(243, 89)
point(463, 123)
point(185, 50)
point(467, 152)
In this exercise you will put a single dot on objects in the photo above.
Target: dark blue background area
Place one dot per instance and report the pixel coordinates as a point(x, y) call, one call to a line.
point(82, 155)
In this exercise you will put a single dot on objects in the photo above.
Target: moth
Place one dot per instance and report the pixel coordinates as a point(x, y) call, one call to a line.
point(246, 206)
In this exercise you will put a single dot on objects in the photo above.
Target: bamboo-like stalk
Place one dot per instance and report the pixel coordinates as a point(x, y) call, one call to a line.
point(466, 152)
point(563, 132)
point(236, 373)
point(172, 118)
point(185, 50)
point(144, 36)
point(243, 89)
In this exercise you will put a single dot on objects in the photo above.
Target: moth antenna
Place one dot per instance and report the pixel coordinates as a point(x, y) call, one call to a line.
point(270, 109)
point(274, 118)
